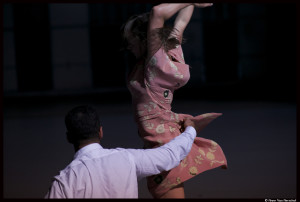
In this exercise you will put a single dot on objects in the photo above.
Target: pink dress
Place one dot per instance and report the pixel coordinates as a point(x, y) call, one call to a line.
point(152, 87)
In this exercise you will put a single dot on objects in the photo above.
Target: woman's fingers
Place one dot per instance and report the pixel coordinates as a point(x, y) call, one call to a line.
point(203, 5)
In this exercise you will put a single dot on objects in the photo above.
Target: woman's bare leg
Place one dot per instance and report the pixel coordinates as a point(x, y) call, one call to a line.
point(175, 192)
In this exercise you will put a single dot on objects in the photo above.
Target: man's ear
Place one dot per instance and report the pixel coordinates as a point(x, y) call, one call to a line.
point(100, 133)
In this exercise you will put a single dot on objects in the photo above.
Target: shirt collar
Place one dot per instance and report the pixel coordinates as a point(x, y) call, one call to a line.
point(87, 149)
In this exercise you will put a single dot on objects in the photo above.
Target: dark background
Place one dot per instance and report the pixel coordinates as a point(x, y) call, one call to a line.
point(243, 64)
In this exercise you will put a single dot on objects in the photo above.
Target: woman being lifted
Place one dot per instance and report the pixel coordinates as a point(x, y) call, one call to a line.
point(160, 69)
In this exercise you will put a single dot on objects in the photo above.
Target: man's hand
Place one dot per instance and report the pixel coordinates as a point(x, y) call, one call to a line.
point(198, 122)
point(194, 123)
point(188, 122)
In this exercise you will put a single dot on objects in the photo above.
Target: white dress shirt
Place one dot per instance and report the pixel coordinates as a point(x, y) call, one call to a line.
point(96, 172)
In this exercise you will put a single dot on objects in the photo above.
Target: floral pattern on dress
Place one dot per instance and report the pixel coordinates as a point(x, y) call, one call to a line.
point(160, 128)
point(193, 170)
point(183, 163)
point(152, 93)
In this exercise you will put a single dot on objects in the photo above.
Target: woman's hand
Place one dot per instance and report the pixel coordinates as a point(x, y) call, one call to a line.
point(202, 5)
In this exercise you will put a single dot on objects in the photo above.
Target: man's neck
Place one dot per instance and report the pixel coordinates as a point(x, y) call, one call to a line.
point(85, 143)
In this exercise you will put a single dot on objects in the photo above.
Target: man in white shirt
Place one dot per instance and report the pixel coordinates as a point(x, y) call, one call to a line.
point(96, 172)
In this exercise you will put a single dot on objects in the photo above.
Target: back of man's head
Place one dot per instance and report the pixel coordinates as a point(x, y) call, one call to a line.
point(82, 123)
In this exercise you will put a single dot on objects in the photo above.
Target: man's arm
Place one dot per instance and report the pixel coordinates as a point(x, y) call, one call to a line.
point(154, 161)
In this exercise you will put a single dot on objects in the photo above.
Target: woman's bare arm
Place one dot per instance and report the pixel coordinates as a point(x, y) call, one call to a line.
point(162, 12)
point(181, 21)
point(158, 15)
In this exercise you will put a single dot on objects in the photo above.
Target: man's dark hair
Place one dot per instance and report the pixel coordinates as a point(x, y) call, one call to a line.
point(82, 123)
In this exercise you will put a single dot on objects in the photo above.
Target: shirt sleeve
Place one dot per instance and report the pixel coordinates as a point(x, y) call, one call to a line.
point(154, 161)
point(55, 191)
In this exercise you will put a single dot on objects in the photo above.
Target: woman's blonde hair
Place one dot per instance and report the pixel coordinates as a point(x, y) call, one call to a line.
point(137, 25)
